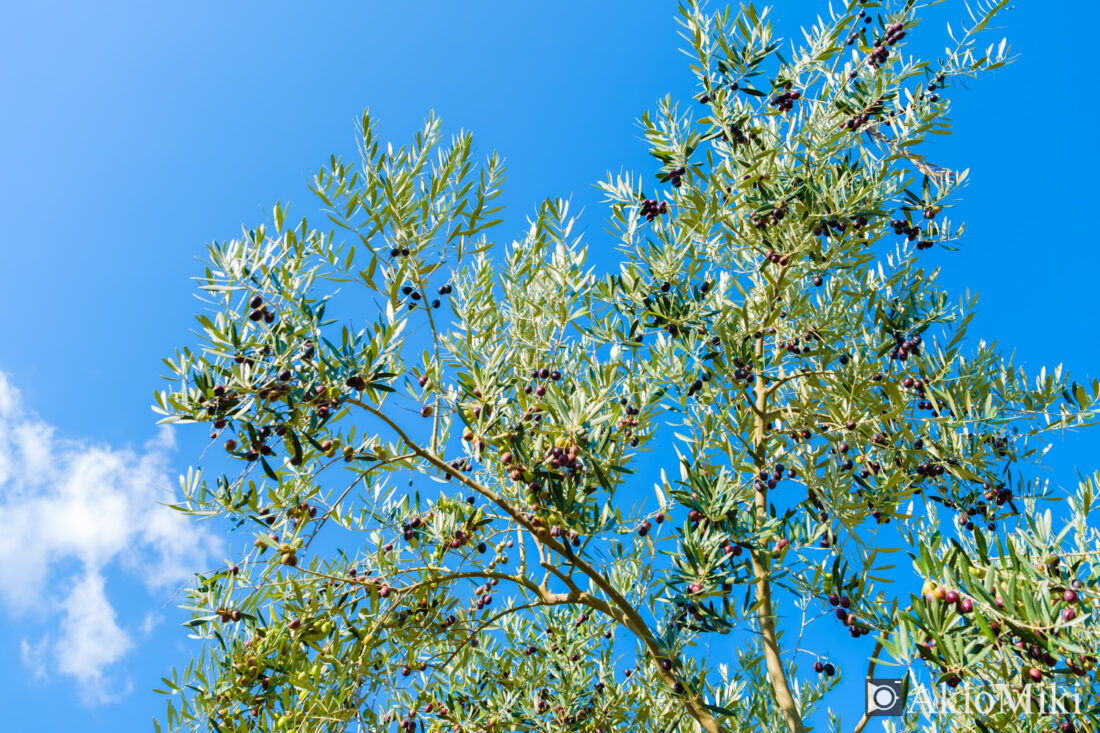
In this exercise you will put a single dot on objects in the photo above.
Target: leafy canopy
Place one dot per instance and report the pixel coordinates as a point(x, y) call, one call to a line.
point(433, 438)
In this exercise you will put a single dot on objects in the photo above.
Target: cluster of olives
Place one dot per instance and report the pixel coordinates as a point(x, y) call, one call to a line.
point(846, 617)
point(629, 421)
point(770, 479)
point(856, 121)
point(761, 221)
point(483, 593)
point(645, 526)
point(931, 87)
point(784, 102)
point(901, 226)
point(999, 495)
point(697, 384)
point(796, 346)
point(651, 209)
point(258, 444)
point(259, 310)
point(903, 346)
point(225, 615)
point(322, 400)
point(743, 370)
point(416, 296)
point(409, 528)
point(854, 36)
point(830, 227)
point(918, 386)
point(735, 134)
point(730, 548)
point(881, 50)
point(541, 375)
point(301, 513)
point(774, 257)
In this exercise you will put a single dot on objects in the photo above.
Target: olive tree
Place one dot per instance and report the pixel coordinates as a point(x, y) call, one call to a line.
point(437, 443)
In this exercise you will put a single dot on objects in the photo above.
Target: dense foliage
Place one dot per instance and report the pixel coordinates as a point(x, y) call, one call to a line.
point(448, 533)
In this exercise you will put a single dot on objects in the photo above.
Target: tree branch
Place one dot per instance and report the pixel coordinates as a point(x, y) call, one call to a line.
point(619, 607)
point(761, 567)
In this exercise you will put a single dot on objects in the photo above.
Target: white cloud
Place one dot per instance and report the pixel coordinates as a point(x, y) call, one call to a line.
point(150, 622)
point(91, 641)
point(79, 504)
point(34, 656)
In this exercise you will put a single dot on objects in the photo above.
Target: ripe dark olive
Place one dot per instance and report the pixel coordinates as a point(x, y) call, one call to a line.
point(830, 670)
point(819, 667)
point(256, 302)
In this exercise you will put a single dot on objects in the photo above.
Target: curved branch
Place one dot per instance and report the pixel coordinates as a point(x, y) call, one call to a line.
point(619, 608)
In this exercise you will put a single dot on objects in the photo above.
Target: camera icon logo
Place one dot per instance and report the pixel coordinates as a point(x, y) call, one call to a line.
point(886, 697)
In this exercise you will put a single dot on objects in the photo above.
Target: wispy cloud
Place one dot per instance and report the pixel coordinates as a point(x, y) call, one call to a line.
point(77, 503)
point(91, 641)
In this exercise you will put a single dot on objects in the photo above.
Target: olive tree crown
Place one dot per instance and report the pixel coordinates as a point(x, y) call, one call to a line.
point(435, 441)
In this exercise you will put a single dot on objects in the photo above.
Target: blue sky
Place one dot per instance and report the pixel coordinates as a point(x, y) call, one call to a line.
point(133, 133)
